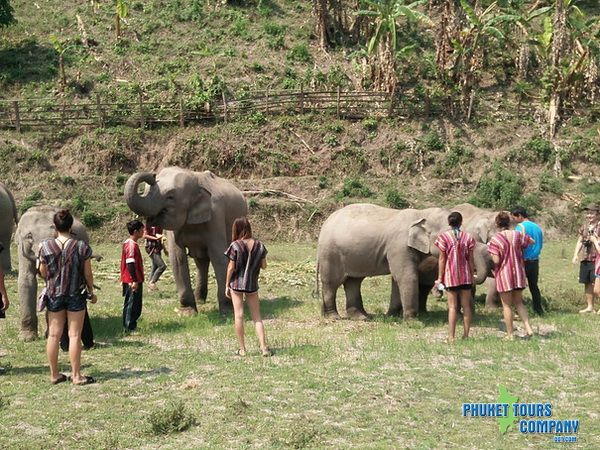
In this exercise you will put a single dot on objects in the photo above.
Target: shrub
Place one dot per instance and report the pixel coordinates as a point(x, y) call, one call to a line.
point(394, 199)
point(538, 149)
point(457, 155)
point(370, 123)
point(30, 201)
point(300, 53)
point(252, 203)
point(79, 204)
point(323, 182)
point(499, 188)
point(120, 179)
point(171, 418)
point(354, 188)
point(549, 183)
point(331, 140)
point(433, 142)
point(91, 219)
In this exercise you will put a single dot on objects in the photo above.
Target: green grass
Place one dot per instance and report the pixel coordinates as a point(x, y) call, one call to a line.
point(385, 383)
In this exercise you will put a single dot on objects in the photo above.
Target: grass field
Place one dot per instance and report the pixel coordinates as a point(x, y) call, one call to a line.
point(379, 384)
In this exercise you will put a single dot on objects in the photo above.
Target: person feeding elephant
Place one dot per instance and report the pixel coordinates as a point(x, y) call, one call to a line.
point(506, 249)
point(455, 272)
point(246, 257)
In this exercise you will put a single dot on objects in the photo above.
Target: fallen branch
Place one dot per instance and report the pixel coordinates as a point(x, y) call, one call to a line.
point(308, 147)
point(279, 193)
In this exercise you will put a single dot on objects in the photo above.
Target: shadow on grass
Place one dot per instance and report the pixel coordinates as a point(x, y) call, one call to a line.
point(270, 308)
point(131, 373)
point(28, 61)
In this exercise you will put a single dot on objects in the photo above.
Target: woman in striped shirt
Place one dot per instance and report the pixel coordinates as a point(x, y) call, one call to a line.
point(246, 257)
point(456, 272)
point(506, 249)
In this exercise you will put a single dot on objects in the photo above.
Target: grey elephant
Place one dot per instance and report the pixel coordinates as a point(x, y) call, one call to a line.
point(363, 240)
point(35, 226)
point(199, 209)
point(8, 219)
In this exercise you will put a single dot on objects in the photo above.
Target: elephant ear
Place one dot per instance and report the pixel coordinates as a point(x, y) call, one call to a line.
point(200, 206)
point(418, 237)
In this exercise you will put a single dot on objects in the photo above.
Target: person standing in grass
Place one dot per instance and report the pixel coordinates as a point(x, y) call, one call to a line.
point(246, 257)
point(596, 242)
point(586, 253)
point(506, 249)
point(154, 247)
point(65, 264)
point(455, 272)
point(132, 276)
point(531, 255)
point(4, 302)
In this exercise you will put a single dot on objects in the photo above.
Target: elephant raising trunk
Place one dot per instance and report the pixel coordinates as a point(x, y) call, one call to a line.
point(150, 203)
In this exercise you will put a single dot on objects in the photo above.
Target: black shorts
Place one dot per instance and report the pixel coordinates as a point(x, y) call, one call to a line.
point(72, 303)
point(586, 272)
point(462, 287)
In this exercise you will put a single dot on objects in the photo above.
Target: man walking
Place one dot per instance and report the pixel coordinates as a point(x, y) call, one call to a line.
point(132, 276)
point(531, 254)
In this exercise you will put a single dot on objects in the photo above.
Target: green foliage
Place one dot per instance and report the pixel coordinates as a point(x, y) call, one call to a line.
point(120, 179)
point(92, 220)
point(252, 203)
point(31, 200)
point(551, 184)
point(275, 35)
point(586, 149)
point(456, 156)
point(370, 124)
point(171, 418)
point(79, 204)
point(394, 199)
point(6, 13)
point(354, 188)
point(331, 140)
point(300, 53)
point(323, 182)
point(433, 142)
point(535, 150)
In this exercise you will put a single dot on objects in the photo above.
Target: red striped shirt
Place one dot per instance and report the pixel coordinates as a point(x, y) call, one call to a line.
point(508, 245)
point(457, 247)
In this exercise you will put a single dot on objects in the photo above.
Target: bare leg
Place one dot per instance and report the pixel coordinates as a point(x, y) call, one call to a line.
point(452, 314)
point(253, 305)
point(75, 320)
point(596, 291)
point(506, 299)
point(589, 298)
point(522, 311)
point(238, 318)
point(56, 322)
point(466, 297)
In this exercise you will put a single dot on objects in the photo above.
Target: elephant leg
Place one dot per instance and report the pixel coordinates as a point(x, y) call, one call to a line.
point(181, 274)
point(492, 299)
point(201, 291)
point(395, 308)
point(5, 255)
point(219, 262)
point(409, 292)
point(27, 286)
point(354, 302)
point(329, 307)
point(424, 290)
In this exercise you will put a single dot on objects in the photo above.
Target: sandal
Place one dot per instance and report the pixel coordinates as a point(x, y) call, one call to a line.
point(86, 380)
point(267, 352)
point(61, 379)
point(240, 352)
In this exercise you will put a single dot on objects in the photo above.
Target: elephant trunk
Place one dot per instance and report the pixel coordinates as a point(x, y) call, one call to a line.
point(149, 204)
point(483, 263)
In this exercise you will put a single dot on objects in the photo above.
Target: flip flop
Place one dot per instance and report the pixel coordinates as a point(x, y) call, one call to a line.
point(61, 379)
point(267, 352)
point(241, 353)
point(86, 380)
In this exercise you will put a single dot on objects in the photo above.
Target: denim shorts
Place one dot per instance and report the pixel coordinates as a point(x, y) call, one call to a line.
point(72, 303)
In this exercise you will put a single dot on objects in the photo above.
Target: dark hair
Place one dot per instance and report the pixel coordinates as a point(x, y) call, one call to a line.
point(455, 219)
point(133, 226)
point(241, 229)
point(520, 211)
point(63, 220)
point(502, 220)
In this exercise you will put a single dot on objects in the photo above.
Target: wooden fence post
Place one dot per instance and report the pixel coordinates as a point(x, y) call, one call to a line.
point(337, 102)
point(100, 112)
point(17, 116)
point(224, 106)
point(181, 113)
point(142, 120)
point(301, 99)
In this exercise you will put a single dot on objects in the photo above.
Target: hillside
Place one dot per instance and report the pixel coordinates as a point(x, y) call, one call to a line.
point(199, 49)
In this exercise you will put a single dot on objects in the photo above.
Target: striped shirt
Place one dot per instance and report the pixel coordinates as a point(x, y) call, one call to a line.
point(457, 246)
point(65, 266)
point(247, 265)
point(510, 272)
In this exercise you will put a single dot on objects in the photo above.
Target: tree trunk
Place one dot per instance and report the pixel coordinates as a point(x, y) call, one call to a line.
point(118, 26)
point(320, 8)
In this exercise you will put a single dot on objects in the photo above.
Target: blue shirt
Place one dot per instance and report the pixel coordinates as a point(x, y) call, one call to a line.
point(533, 230)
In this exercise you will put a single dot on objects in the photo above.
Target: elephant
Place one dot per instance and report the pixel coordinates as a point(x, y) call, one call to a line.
point(364, 240)
point(35, 226)
point(8, 218)
point(199, 209)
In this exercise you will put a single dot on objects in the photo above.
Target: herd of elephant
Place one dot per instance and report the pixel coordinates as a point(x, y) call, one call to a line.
point(198, 209)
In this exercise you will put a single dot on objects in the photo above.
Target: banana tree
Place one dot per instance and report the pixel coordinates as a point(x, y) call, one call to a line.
point(60, 49)
point(121, 12)
point(382, 48)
